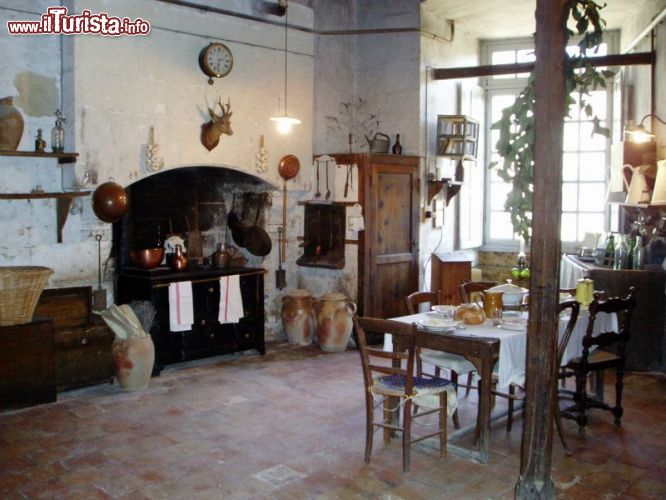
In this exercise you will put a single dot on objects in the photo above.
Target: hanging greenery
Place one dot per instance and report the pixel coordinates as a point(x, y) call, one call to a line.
point(516, 126)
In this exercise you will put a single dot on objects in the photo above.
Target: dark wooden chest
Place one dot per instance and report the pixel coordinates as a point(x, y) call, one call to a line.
point(82, 340)
point(27, 375)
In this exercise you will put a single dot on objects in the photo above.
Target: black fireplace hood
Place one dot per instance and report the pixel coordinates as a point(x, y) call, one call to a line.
point(191, 202)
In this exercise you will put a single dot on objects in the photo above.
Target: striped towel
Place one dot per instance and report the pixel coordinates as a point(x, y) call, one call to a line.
point(181, 311)
point(231, 302)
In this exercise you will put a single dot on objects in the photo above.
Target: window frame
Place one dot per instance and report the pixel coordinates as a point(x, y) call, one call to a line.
point(493, 87)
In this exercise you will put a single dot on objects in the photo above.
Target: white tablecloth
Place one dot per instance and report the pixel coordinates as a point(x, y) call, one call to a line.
point(513, 343)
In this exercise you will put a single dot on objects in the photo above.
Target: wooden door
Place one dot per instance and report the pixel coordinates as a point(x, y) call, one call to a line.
point(391, 240)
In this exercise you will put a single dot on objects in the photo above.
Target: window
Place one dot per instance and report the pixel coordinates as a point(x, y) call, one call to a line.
point(585, 156)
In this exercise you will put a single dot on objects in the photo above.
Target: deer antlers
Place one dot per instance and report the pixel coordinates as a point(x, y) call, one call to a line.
point(217, 125)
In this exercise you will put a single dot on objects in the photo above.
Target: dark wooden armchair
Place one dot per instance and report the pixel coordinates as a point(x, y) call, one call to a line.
point(602, 351)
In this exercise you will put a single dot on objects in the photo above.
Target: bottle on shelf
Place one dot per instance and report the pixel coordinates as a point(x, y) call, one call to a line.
point(610, 251)
point(637, 254)
point(397, 147)
point(58, 133)
point(630, 253)
point(621, 251)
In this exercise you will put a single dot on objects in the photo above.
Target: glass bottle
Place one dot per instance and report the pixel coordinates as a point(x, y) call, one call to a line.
point(637, 254)
point(397, 147)
point(621, 251)
point(610, 251)
point(630, 254)
point(58, 133)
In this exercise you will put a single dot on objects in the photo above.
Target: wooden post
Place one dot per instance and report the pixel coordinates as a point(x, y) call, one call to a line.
point(535, 480)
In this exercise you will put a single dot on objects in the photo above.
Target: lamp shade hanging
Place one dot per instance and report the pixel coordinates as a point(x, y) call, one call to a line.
point(285, 122)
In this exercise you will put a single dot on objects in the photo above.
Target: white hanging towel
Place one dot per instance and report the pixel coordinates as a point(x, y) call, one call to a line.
point(231, 302)
point(181, 312)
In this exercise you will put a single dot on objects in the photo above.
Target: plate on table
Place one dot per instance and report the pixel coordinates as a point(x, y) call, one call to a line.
point(511, 314)
point(514, 326)
point(434, 324)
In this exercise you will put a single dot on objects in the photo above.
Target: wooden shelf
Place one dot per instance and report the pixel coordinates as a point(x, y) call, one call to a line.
point(63, 204)
point(62, 157)
point(638, 205)
point(452, 189)
point(64, 199)
point(324, 202)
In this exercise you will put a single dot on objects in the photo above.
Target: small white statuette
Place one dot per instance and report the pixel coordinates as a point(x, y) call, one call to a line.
point(154, 161)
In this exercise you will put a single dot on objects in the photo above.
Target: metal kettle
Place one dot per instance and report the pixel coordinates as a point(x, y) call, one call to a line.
point(379, 143)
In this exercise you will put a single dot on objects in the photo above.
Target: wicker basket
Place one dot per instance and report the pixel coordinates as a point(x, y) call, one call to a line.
point(20, 288)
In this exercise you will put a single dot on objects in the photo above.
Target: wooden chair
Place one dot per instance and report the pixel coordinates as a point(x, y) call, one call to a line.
point(395, 385)
point(454, 363)
point(596, 359)
point(468, 288)
point(573, 308)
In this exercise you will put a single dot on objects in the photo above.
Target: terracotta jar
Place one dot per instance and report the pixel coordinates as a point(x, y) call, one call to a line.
point(297, 317)
point(11, 124)
point(133, 361)
point(334, 313)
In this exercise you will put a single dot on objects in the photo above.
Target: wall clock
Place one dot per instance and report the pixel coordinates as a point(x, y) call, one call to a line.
point(216, 60)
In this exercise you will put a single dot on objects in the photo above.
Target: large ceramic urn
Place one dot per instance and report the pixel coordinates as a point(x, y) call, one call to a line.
point(334, 313)
point(133, 361)
point(11, 125)
point(297, 317)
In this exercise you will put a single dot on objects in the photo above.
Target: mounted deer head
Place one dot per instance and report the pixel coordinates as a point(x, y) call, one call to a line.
point(218, 125)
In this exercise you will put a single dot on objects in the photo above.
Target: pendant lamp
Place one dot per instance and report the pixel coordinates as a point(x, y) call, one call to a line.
point(285, 122)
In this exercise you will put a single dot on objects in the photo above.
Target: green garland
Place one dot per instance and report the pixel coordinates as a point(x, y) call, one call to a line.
point(516, 126)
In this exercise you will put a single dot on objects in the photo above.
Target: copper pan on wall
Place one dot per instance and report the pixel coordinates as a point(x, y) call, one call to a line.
point(256, 239)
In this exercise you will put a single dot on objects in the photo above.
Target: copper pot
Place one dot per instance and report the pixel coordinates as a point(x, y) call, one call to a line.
point(148, 258)
point(178, 261)
point(109, 202)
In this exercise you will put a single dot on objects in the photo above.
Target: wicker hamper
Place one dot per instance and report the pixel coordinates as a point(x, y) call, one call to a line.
point(20, 288)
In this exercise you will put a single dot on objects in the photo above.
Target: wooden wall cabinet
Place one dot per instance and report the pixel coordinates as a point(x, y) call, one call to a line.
point(388, 248)
point(27, 364)
point(208, 337)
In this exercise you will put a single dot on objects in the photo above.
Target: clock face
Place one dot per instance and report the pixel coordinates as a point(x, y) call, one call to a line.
point(216, 60)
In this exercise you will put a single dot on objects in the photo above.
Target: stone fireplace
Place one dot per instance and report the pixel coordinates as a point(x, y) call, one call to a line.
point(192, 203)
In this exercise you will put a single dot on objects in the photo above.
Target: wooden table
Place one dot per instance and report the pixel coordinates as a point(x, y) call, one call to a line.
point(484, 346)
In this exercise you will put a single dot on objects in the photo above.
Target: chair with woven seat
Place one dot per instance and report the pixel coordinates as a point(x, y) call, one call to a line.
point(389, 376)
point(454, 363)
point(601, 351)
point(572, 308)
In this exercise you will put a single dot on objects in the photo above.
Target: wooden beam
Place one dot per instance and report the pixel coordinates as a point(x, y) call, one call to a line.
point(542, 331)
point(639, 58)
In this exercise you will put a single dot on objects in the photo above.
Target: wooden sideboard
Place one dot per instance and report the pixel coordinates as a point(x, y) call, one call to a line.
point(646, 347)
point(208, 337)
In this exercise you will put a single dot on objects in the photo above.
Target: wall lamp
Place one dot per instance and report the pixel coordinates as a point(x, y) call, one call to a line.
point(638, 133)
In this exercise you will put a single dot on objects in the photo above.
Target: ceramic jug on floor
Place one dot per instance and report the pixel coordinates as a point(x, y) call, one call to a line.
point(297, 317)
point(334, 321)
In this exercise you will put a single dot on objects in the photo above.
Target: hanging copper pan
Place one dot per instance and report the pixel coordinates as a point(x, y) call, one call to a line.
point(256, 239)
point(288, 169)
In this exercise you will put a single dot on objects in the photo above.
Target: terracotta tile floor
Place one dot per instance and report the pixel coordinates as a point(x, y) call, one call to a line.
point(291, 425)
